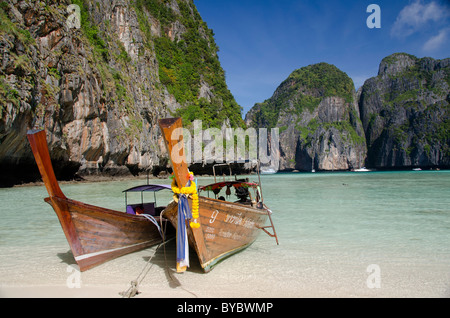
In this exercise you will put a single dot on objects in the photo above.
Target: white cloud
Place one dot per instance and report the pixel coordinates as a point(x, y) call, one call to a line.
point(436, 41)
point(415, 16)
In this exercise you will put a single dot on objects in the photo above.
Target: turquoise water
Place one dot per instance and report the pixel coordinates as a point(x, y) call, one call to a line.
point(331, 228)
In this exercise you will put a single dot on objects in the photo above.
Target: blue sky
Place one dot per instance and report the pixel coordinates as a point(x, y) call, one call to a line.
point(262, 41)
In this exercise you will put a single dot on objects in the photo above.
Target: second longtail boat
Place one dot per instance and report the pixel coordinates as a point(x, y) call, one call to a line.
point(218, 228)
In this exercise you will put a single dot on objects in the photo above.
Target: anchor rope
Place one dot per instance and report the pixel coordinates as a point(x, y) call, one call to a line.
point(133, 289)
point(134, 284)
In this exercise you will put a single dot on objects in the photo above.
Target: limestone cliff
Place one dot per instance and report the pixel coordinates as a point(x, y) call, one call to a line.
point(406, 114)
point(398, 119)
point(99, 87)
point(316, 111)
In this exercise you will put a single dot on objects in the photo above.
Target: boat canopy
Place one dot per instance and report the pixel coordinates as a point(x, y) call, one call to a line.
point(145, 207)
point(149, 187)
point(220, 185)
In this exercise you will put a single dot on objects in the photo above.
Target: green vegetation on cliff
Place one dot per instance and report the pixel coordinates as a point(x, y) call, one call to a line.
point(186, 53)
point(326, 79)
point(91, 31)
point(318, 120)
point(100, 89)
point(303, 90)
point(187, 57)
point(405, 110)
point(21, 63)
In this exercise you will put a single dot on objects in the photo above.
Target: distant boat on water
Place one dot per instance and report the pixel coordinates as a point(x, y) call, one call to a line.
point(268, 170)
point(363, 169)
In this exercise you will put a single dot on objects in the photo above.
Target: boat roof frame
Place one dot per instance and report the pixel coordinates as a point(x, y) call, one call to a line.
point(146, 188)
point(258, 171)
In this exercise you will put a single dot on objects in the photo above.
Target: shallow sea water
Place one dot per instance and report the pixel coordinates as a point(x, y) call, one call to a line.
point(353, 234)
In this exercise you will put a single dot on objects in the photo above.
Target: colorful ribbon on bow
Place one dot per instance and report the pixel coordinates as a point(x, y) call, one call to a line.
point(184, 213)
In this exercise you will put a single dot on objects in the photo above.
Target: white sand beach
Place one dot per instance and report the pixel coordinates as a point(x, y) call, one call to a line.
point(239, 276)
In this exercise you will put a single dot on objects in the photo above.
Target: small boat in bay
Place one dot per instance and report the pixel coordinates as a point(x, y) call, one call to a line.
point(363, 169)
point(217, 228)
point(96, 234)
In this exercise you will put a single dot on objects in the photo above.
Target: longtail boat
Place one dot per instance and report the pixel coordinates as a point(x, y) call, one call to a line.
point(225, 228)
point(96, 234)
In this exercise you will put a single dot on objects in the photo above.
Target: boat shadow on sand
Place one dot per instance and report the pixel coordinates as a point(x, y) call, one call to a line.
point(67, 258)
point(163, 259)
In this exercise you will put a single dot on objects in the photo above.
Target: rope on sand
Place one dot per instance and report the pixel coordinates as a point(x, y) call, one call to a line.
point(133, 289)
point(134, 284)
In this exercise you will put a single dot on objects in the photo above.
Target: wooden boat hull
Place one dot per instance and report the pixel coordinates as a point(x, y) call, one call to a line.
point(97, 235)
point(225, 229)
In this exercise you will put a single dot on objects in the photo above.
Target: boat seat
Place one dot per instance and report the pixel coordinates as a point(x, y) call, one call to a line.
point(131, 208)
point(148, 208)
